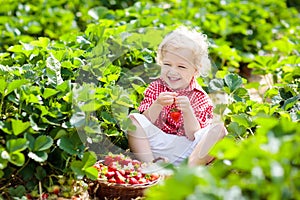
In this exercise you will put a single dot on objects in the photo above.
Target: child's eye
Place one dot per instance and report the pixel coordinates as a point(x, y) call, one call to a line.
point(182, 67)
point(166, 64)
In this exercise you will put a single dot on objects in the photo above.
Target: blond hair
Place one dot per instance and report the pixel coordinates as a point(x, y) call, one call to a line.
point(197, 42)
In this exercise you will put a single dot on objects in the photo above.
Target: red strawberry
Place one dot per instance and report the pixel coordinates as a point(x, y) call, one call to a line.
point(120, 181)
point(136, 163)
point(113, 166)
point(29, 197)
point(118, 157)
point(112, 180)
point(133, 181)
point(119, 178)
point(138, 175)
point(127, 171)
point(108, 160)
point(125, 161)
point(45, 196)
point(154, 176)
point(110, 174)
point(175, 114)
point(142, 180)
point(122, 172)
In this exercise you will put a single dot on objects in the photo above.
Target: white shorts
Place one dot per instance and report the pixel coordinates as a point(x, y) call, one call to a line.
point(173, 147)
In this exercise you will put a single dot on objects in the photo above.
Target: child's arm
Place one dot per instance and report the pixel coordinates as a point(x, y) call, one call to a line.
point(191, 124)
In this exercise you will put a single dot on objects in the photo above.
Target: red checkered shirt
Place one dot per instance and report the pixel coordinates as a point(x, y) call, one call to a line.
point(200, 102)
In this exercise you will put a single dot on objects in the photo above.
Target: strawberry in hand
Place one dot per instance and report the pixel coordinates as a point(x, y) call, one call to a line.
point(175, 114)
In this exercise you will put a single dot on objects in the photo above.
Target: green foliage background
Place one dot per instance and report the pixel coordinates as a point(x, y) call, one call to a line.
point(68, 79)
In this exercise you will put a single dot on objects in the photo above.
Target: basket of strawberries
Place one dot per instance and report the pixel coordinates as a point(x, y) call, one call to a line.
point(121, 177)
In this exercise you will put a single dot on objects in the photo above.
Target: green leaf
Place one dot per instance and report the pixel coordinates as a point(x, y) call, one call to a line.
point(16, 145)
point(38, 156)
point(242, 119)
point(107, 117)
point(76, 166)
point(289, 103)
point(216, 84)
point(69, 145)
point(92, 127)
point(229, 149)
point(3, 85)
point(270, 93)
point(84, 167)
point(241, 94)
point(65, 86)
point(40, 173)
point(124, 101)
point(6, 127)
point(17, 158)
point(283, 44)
point(60, 133)
point(89, 159)
point(78, 119)
point(220, 108)
point(53, 71)
point(185, 175)
point(41, 42)
point(30, 140)
point(265, 124)
point(31, 98)
point(235, 128)
point(233, 81)
point(91, 173)
point(19, 126)
point(138, 88)
point(285, 127)
point(3, 159)
point(90, 106)
point(19, 191)
point(14, 85)
point(48, 92)
point(42, 143)
point(16, 48)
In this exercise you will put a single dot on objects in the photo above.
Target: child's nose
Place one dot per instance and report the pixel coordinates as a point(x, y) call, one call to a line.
point(172, 70)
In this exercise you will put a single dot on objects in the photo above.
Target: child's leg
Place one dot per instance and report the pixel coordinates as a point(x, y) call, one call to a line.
point(200, 154)
point(139, 144)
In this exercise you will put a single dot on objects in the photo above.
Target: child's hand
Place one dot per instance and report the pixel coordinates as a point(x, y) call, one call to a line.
point(183, 103)
point(166, 98)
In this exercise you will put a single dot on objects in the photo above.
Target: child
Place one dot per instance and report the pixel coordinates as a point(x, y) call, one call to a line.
point(182, 56)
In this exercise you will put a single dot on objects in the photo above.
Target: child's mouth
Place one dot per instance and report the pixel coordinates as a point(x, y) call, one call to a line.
point(173, 78)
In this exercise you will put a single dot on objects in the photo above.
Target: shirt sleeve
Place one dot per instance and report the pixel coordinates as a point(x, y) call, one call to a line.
point(203, 109)
point(150, 95)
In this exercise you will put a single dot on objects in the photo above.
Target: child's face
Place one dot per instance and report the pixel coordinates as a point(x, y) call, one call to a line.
point(177, 68)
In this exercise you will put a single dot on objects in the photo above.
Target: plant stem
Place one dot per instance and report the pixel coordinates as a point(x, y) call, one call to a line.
point(250, 131)
point(40, 190)
point(1, 103)
point(28, 160)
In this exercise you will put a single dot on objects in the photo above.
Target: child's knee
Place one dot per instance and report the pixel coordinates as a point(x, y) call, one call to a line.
point(220, 129)
point(138, 132)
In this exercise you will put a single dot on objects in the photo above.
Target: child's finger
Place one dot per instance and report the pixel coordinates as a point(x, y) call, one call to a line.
point(166, 98)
